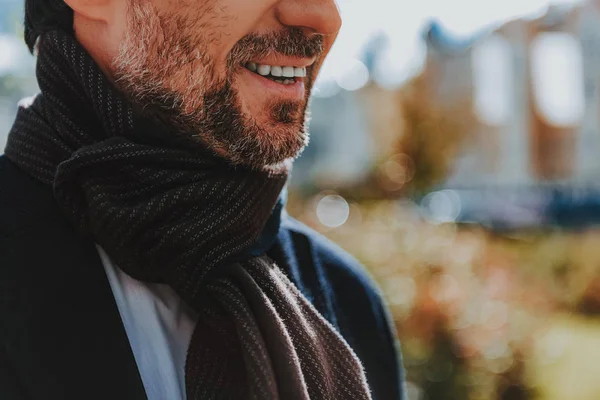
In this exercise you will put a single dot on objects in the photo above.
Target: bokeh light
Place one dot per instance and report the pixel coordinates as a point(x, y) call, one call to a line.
point(333, 211)
point(354, 76)
point(442, 206)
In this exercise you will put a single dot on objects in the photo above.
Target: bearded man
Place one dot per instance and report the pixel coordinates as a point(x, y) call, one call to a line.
point(144, 248)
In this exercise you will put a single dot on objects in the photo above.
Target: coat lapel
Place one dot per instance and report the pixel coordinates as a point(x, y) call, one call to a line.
point(64, 335)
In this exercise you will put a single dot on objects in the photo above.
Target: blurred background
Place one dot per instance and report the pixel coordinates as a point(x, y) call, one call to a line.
point(455, 152)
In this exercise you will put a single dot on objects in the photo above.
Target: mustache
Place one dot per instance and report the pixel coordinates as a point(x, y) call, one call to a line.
point(291, 42)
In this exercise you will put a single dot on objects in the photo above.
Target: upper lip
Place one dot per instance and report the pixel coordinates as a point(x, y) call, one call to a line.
point(285, 61)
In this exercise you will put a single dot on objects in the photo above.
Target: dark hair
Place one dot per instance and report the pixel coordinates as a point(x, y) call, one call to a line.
point(45, 15)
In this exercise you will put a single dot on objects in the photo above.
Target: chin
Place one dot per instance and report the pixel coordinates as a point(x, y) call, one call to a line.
point(277, 131)
point(271, 145)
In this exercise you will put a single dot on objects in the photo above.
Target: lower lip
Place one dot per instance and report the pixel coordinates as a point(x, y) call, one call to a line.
point(293, 90)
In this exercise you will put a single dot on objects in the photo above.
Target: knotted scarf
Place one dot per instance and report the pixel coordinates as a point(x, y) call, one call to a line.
point(169, 212)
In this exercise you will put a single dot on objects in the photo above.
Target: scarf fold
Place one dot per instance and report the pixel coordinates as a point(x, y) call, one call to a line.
point(169, 211)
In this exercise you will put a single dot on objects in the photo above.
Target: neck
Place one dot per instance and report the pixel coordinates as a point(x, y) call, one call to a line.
point(97, 40)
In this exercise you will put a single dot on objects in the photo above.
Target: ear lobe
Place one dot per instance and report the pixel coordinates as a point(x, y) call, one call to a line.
point(96, 10)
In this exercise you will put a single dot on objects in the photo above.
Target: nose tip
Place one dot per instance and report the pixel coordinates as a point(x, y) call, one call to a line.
point(311, 16)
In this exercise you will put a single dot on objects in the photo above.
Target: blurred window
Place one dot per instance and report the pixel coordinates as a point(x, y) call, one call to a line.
point(557, 78)
point(493, 80)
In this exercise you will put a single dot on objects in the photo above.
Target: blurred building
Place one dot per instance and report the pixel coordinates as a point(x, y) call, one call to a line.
point(341, 150)
point(342, 146)
point(535, 89)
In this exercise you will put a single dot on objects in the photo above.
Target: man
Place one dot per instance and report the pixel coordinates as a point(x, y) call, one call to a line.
point(144, 250)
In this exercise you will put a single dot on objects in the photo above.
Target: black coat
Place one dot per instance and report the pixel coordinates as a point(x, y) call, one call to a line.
point(61, 336)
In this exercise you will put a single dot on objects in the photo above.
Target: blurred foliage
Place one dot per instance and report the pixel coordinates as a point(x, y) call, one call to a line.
point(477, 313)
point(480, 315)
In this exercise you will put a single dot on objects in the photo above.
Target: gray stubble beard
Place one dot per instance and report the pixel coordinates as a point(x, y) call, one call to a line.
point(178, 84)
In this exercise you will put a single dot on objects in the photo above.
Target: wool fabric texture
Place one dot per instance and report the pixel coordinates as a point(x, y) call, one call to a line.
point(168, 211)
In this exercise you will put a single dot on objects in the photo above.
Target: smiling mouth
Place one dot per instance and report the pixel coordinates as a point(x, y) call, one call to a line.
point(286, 75)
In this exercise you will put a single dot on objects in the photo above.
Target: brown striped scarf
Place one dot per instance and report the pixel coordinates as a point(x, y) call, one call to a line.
point(169, 212)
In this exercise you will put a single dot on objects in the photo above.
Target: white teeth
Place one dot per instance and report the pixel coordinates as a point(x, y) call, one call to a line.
point(300, 72)
point(264, 70)
point(288, 72)
point(276, 71)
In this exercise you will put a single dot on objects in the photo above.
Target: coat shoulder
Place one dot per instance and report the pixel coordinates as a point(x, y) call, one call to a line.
point(336, 260)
